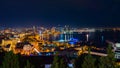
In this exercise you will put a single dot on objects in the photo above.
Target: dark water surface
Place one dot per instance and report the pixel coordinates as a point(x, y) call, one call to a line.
point(99, 38)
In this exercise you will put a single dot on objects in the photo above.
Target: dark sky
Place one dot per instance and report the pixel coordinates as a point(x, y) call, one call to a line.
point(80, 13)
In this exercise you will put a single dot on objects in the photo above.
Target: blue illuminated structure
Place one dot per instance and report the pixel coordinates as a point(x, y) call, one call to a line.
point(61, 40)
point(73, 41)
point(61, 36)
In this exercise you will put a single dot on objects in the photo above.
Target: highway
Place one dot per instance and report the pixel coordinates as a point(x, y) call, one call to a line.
point(96, 53)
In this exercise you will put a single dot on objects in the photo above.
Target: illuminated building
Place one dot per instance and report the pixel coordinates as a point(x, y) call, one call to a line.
point(117, 50)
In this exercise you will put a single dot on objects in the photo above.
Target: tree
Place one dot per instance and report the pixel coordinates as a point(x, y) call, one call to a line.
point(10, 60)
point(102, 63)
point(29, 65)
point(89, 61)
point(55, 62)
point(58, 62)
point(78, 61)
point(63, 64)
point(110, 57)
point(109, 60)
point(117, 66)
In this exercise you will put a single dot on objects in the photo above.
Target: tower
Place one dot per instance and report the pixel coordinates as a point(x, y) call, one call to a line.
point(34, 29)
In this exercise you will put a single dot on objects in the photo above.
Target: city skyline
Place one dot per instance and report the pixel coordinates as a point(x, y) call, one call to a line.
point(51, 13)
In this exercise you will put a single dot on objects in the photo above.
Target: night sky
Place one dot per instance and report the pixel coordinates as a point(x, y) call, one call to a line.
point(76, 13)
